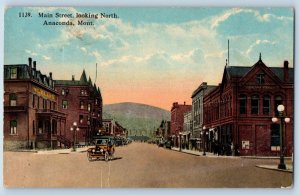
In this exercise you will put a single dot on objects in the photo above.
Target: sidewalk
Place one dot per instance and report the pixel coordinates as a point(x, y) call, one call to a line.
point(200, 153)
point(289, 167)
point(63, 151)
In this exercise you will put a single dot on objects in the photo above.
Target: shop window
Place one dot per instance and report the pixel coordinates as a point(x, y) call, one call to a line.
point(12, 99)
point(254, 104)
point(13, 73)
point(13, 127)
point(266, 104)
point(65, 104)
point(243, 104)
point(275, 137)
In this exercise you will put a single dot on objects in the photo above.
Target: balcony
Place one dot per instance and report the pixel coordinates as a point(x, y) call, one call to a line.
point(15, 109)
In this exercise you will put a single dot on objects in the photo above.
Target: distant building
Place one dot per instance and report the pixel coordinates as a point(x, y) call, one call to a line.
point(112, 127)
point(177, 111)
point(31, 116)
point(164, 130)
point(81, 101)
point(187, 128)
point(240, 109)
point(197, 114)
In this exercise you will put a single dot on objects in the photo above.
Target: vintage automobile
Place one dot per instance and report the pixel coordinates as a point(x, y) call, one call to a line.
point(104, 149)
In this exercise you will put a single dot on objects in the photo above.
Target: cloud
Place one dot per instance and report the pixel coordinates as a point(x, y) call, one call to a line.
point(83, 49)
point(46, 57)
point(30, 52)
point(258, 42)
point(215, 21)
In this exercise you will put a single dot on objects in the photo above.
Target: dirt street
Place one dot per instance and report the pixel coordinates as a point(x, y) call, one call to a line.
point(138, 165)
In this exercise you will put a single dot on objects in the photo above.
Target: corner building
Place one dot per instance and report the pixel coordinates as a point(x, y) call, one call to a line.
point(81, 101)
point(240, 109)
point(31, 117)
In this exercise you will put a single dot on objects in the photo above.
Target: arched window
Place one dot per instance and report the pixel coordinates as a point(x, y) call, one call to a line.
point(266, 104)
point(12, 99)
point(254, 104)
point(243, 104)
point(277, 101)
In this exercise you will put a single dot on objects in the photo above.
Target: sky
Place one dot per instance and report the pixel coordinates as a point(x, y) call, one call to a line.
point(154, 56)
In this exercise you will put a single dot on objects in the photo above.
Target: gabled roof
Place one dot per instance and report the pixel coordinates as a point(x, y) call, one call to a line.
point(83, 78)
point(239, 71)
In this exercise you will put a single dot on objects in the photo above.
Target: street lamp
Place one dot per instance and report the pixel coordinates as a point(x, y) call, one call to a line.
point(74, 128)
point(180, 142)
point(283, 119)
point(204, 141)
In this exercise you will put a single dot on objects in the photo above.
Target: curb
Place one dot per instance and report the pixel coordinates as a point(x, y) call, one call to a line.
point(274, 169)
point(185, 152)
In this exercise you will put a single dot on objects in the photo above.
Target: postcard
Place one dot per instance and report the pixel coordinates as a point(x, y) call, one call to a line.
point(182, 97)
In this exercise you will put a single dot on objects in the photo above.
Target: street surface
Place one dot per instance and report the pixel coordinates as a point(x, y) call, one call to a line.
point(139, 165)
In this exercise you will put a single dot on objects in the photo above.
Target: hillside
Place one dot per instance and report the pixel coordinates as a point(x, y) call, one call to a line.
point(139, 119)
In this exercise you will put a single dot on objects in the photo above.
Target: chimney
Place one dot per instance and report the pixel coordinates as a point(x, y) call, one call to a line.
point(286, 71)
point(183, 103)
point(73, 77)
point(34, 65)
point(50, 74)
point(30, 62)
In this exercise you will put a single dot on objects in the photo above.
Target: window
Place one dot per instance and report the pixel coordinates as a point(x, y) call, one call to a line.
point(96, 101)
point(64, 104)
point(12, 99)
point(243, 104)
point(266, 104)
point(89, 107)
point(81, 105)
point(38, 102)
point(63, 92)
point(278, 101)
point(81, 118)
point(33, 100)
point(260, 78)
point(13, 127)
point(275, 137)
point(83, 92)
point(13, 73)
point(33, 127)
point(254, 104)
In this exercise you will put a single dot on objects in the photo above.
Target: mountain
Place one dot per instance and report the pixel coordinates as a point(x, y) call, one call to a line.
point(138, 119)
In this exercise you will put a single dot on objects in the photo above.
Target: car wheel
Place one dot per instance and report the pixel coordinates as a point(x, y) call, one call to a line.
point(106, 156)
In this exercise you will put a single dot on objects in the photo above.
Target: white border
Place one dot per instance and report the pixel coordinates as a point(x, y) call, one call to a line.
point(158, 3)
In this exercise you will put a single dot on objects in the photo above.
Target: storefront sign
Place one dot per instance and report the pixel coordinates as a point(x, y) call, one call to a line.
point(43, 93)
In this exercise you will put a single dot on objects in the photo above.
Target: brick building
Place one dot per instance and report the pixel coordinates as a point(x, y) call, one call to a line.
point(177, 119)
point(240, 109)
point(31, 117)
point(81, 101)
